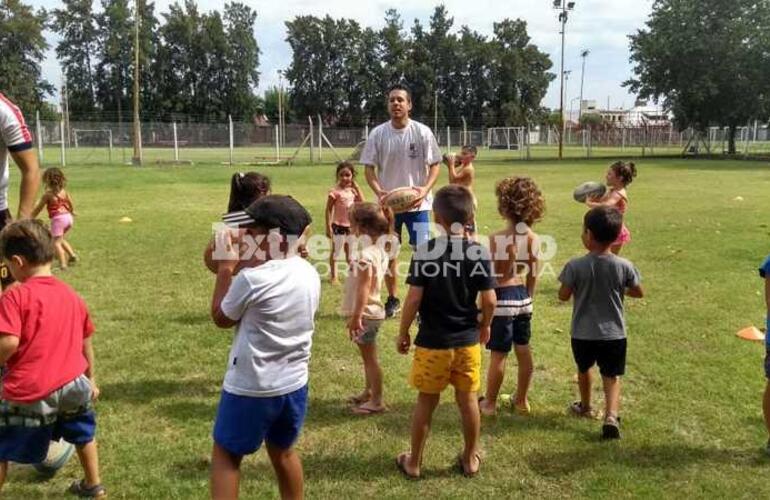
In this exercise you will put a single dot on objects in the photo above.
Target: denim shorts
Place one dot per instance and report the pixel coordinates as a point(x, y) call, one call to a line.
point(417, 225)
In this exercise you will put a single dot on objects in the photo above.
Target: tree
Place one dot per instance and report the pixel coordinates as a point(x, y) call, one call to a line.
point(22, 48)
point(591, 120)
point(270, 106)
point(707, 60)
point(243, 60)
point(113, 70)
point(75, 23)
point(519, 74)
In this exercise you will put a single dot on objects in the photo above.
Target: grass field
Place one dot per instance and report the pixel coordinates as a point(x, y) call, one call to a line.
point(691, 398)
point(264, 154)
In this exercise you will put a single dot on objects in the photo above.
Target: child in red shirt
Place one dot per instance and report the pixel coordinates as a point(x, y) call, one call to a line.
point(45, 345)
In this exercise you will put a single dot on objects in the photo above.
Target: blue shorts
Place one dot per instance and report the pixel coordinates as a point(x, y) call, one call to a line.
point(26, 444)
point(417, 225)
point(244, 422)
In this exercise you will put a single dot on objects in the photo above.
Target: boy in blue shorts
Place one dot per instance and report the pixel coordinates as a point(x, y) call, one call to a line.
point(45, 344)
point(764, 273)
point(272, 306)
point(599, 281)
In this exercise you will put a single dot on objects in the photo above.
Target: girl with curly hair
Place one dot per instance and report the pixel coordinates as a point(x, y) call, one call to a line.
point(61, 211)
point(515, 259)
point(619, 176)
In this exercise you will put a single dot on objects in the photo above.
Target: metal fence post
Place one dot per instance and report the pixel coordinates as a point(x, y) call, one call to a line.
point(39, 133)
point(63, 153)
point(176, 142)
point(230, 124)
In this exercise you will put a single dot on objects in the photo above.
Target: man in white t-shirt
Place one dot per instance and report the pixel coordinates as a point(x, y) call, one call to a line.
point(16, 139)
point(403, 152)
point(272, 306)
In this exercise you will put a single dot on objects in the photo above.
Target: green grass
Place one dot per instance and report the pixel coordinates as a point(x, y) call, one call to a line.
point(691, 397)
point(93, 156)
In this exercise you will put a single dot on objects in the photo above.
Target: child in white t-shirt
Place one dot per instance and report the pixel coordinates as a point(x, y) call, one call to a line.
point(362, 304)
point(272, 306)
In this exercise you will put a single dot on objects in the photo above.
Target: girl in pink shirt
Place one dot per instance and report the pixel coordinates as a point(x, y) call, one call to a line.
point(341, 198)
point(619, 176)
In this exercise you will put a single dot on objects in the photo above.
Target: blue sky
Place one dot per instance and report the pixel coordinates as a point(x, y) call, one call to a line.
point(599, 25)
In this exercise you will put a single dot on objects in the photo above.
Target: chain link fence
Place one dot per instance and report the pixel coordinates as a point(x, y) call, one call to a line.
point(84, 143)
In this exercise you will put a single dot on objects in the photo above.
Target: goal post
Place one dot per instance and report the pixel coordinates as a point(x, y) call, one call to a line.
point(93, 138)
point(511, 138)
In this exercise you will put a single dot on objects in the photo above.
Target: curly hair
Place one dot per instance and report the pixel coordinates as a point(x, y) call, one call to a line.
point(54, 179)
point(520, 200)
point(624, 171)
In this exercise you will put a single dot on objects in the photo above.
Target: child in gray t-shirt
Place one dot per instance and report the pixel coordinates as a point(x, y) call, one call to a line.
point(599, 281)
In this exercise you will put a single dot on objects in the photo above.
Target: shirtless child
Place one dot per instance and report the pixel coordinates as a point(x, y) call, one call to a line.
point(462, 172)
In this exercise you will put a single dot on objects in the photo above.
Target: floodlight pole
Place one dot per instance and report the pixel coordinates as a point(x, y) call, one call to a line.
point(583, 54)
point(564, 6)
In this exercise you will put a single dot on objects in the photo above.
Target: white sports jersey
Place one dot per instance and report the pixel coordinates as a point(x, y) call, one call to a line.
point(402, 156)
point(14, 137)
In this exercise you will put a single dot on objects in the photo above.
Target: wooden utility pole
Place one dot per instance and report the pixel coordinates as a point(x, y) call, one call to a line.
point(137, 158)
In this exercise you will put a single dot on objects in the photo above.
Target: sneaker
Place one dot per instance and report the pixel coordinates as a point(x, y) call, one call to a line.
point(80, 489)
point(392, 307)
point(611, 427)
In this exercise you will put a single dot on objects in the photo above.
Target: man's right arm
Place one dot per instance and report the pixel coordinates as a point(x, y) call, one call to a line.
point(374, 181)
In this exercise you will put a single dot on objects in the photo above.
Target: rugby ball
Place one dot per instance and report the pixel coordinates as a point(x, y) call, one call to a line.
point(400, 199)
point(589, 190)
point(59, 452)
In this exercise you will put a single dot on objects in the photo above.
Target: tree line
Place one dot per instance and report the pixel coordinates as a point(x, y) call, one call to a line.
point(194, 65)
point(205, 65)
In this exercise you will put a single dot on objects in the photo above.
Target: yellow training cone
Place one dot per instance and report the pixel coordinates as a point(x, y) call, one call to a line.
point(751, 333)
point(126, 219)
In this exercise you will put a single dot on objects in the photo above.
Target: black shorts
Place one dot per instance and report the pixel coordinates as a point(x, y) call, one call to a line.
point(610, 355)
point(5, 274)
point(338, 230)
point(509, 330)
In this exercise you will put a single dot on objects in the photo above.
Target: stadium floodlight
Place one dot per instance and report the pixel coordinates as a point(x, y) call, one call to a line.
point(563, 8)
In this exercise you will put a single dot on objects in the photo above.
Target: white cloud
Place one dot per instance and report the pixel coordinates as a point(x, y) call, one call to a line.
point(600, 25)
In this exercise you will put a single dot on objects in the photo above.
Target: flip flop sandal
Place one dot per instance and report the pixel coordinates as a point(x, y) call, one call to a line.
point(80, 489)
point(401, 467)
point(463, 470)
point(357, 400)
point(361, 410)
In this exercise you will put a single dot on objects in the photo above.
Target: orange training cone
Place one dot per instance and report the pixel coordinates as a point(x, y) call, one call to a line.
point(751, 333)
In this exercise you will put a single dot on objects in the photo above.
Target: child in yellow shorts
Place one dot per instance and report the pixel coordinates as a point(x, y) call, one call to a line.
point(446, 276)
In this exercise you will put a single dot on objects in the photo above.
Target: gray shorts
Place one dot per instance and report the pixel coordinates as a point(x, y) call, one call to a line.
point(70, 400)
point(371, 328)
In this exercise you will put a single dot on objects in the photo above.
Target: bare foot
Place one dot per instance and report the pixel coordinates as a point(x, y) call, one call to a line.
point(486, 408)
point(369, 408)
point(403, 462)
point(360, 398)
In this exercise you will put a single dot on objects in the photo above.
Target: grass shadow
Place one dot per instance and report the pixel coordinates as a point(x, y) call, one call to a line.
point(668, 456)
point(145, 391)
